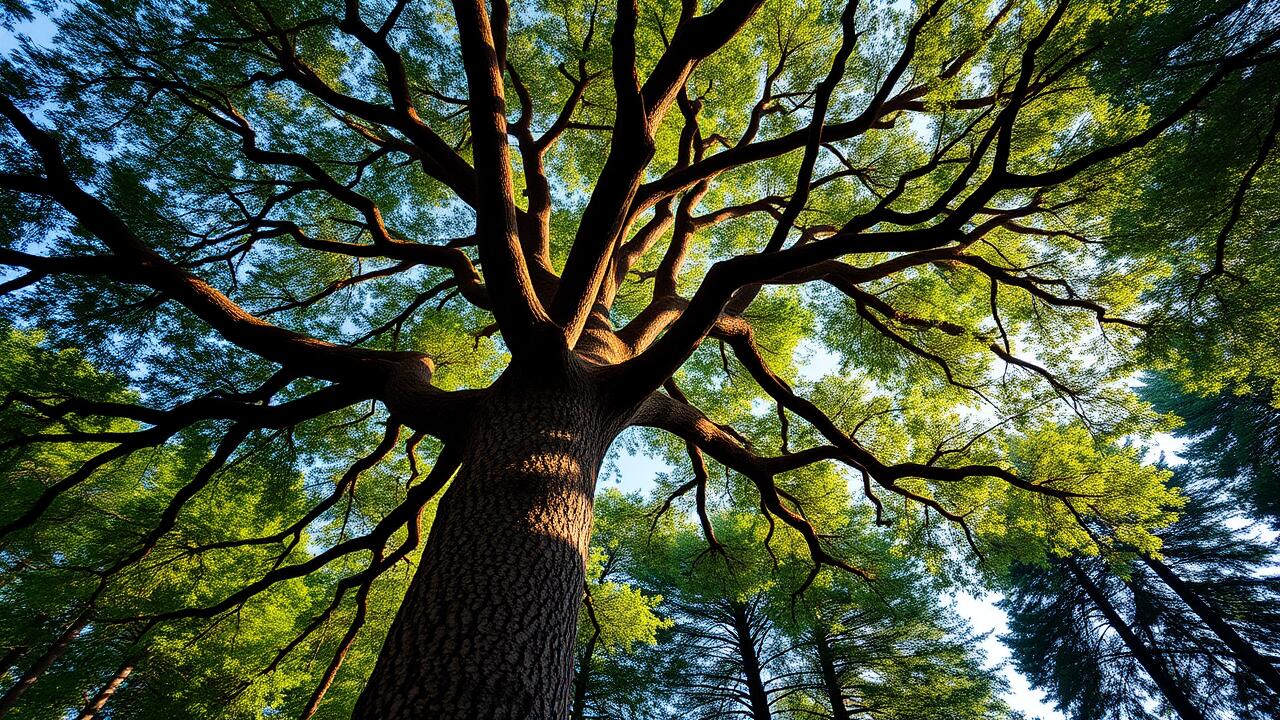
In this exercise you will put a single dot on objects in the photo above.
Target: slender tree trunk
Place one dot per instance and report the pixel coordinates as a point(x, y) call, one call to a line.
point(42, 663)
point(751, 669)
point(582, 680)
point(487, 627)
point(99, 701)
point(830, 678)
point(1172, 692)
point(1220, 627)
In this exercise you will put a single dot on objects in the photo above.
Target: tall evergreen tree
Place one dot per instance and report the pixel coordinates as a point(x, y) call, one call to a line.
point(1193, 627)
point(1233, 440)
point(1069, 635)
point(887, 651)
point(746, 642)
point(1212, 595)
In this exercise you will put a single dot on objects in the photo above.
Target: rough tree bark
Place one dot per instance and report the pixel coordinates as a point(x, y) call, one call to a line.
point(487, 627)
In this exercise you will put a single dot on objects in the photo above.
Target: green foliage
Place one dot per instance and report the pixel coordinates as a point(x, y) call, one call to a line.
point(625, 615)
point(50, 571)
point(897, 651)
point(1117, 488)
point(1059, 641)
point(988, 383)
point(53, 574)
point(1064, 645)
point(1233, 440)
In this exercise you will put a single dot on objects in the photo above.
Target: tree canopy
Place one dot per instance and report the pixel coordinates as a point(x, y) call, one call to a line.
point(1233, 439)
point(322, 317)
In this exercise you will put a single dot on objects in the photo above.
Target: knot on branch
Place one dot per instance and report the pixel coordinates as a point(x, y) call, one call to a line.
point(408, 386)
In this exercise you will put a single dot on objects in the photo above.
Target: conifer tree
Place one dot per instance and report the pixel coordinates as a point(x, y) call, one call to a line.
point(1191, 628)
point(1233, 440)
point(748, 638)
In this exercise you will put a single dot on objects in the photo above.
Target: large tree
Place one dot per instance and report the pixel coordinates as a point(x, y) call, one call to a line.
point(278, 215)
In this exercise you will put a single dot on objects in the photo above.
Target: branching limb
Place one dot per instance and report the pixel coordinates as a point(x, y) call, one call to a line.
point(1237, 204)
point(142, 265)
point(604, 219)
point(290, 413)
point(331, 672)
point(344, 486)
point(525, 323)
point(739, 336)
point(408, 513)
point(701, 434)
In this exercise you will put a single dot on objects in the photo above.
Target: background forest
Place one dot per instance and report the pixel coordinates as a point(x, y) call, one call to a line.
point(191, 527)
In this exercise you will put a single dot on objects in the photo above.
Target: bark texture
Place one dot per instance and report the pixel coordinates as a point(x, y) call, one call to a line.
point(487, 627)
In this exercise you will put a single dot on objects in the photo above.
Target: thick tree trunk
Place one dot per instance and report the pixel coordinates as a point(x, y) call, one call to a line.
point(1172, 692)
point(487, 627)
point(830, 678)
point(1243, 651)
point(99, 701)
point(751, 670)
